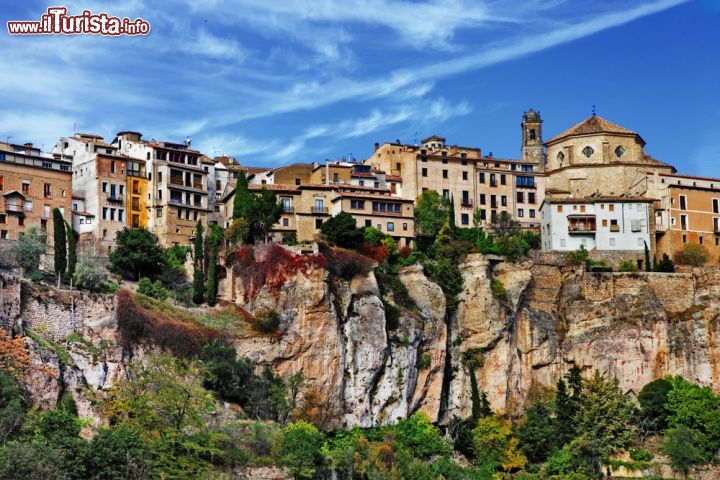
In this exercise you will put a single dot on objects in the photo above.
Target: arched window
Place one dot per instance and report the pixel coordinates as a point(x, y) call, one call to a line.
point(560, 157)
point(619, 151)
point(532, 134)
point(588, 151)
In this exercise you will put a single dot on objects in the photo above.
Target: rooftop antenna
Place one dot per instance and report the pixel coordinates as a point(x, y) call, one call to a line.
point(415, 139)
point(7, 138)
point(75, 127)
point(593, 109)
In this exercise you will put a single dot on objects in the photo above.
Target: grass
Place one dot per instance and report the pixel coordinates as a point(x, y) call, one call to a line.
point(62, 354)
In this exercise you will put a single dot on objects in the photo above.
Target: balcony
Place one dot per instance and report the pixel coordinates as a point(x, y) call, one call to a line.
point(392, 213)
point(115, 198)
point(466, 203)
point(581, 224)
point(136, 173)
point(614, 228)
point(13, 208)
point(288, 209)
point(493, 184)
point(319, 210)
point(581, 229)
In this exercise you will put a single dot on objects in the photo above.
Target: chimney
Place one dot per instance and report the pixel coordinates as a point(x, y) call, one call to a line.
point(377, 146)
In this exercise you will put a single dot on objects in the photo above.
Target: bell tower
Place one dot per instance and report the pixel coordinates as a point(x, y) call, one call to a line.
point(533, 150)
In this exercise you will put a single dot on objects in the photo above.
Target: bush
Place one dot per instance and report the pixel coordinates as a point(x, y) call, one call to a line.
point(665, 265)
point(289, 238)
point(692, 254)
point(91, 275)
point(267, 321)
point(498, 289)
point(405, 252)
point(37, 276)
point(578, 257)
point(152, 289)
point(628, 266)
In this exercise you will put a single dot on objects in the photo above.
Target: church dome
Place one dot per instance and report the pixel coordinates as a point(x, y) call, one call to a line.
point(532, 116)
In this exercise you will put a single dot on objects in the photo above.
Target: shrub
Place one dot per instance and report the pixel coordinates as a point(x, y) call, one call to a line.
point(665, 265)
point(628, 266)
point(267, 321)
point(91, 275)
point(152, 289)
point(692, 254)
point(498, 289)
point(37, 276)
point(405, 252)
point(346, 263)
point(578, 257)
point(289, 238)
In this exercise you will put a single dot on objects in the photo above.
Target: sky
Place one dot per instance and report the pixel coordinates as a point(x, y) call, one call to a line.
point(281, 81)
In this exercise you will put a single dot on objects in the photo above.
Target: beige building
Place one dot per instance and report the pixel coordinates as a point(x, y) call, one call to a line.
point(32, 184)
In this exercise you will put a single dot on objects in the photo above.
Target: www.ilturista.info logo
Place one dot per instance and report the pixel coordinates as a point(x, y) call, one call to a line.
point(57, 22)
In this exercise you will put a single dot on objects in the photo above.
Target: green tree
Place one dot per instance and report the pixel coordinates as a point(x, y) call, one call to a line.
point(29, 248)
point(698, 409)
point(692, 254)
point(665, 265)
point(72, 250)
point(232, 378)
point(299, 449)
point(152, 289)
point(91, 275)
point(653, 404)
point(565, 410)
point(198, 261)
point(503, 224)
point(137, 254)
point(538, 439)
point(418, 435)
point(12, 406)
point(59, 243)
point(604, 421)
point(648, 265)
point(680, 445)
point(116, 453)
point(242, 200)
point(495, 446)
point(432, 211)
point(237, 232)
point(266, 211)
point(216, 236)
point(342, 230)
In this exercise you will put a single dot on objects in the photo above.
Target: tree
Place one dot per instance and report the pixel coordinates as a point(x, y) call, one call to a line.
point(237, 232)
point(198, 261)
point(299, 449)
point(698, 409)
point(680, 445)
point(565, 409)
point(214, 240)
point(604, 421)
point(418, 435)
point(232, 378)
point(665, 265)
point(72, 250)
point(495, 446)
point(59, 243)
point(692, 254)
point(266, 211)
point(137, 254)
point(117, 452)
point(538, 439)
point(91, 275)
point(342, 231)
point(432, 211)
point(648, 265)
point(653, 403)
point(12, 405)
point(242, 200)
point(503, 224)
point(29, 248)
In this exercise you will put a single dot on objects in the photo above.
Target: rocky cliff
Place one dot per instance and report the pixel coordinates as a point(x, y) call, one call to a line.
point(545, 318)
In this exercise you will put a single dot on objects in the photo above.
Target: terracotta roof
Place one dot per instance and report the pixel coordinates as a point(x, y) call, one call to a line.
point(599, 198)
point(82, 214)
point(371, 196)
point(271, 186)
point(673, 175)
point(593, 125)
point(393, 178)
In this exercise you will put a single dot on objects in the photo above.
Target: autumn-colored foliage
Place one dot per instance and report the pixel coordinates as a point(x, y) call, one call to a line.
point(379, 253)
point(181, 337)
point(346, 263)
point(271, 265)
point(405, 252)
point(14, 357)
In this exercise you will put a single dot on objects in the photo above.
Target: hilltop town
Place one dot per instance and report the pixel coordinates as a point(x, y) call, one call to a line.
point(592, 185)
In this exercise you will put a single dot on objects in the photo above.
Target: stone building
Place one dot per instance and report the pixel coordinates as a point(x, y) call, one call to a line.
point(177, 189)
point(32, 184)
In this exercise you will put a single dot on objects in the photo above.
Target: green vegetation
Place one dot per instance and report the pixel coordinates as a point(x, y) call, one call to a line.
point(214, 240)
point(29, 248)
point(137, 254)
point(342, 231)
point(59, 244)
point(91, 275)
point(198, 262)
point(692, 254)
point(152, 289)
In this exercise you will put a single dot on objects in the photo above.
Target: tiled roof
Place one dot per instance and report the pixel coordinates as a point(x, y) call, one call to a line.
point(593, 125)
point(599, 198)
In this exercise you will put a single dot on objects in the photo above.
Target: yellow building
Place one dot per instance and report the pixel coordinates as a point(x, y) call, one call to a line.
point(137, 187)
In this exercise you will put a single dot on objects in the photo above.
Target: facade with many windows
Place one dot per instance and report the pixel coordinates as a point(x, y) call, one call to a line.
point(32, 185)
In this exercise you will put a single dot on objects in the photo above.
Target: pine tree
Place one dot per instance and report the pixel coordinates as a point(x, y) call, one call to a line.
point(198, 276)
point(59, 244)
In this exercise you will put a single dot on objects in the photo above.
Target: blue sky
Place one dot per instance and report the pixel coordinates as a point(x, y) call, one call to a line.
point(277, 82)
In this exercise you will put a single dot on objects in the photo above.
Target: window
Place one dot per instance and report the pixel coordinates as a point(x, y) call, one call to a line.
point(521, 213)
point(604, 222)
point(465, 176)
point(104, 214)
point(47, 189)
point(481, 177)
point(684, 238)
point(503, 200)
point(612, 242)
point(112, 214)
point(531, 213)
point(319, 205)
point(526, 168)
point(635, 225)
point(683, 222)
point(424, 172)
point(121, 214)
point(683, 202)
point(359, 204)
point(493, 201)
point(464, 219)
point(104, 233)
point(104, 187)
point(362, 182)
point(611, 207)
point(368, 223)
point(2, 183)
point(446, 194)
point(445, 174)
point(560, 157)
point(619, 151)
point(159, 213)
point(159, 177)
point(716, 225)
point(503, 180)
point(492, 180)
point(614, 227)
point(21, 221)
point(714, 203)
point(562, 242)
point(26, 187)
point(405, 226)
point(180, 213)
point(531, 198)
point(532, 134)
point(159, 195)
point(483, 215)
point(524, 181)
point(588, 151)
point(46, 211)
point(700, 240)
point(482, 199)
point(3, 218)
point(390, 226)
point(112, 166)
point(136, 203)
point(122, 189)
point(582, 208)
point(520, 197)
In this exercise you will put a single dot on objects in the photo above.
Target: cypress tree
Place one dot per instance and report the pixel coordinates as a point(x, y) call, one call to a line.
point(59, 243)
point(242, 200)
point(215, 236)
point(648, 265)
point(198, 276)
point(72, 253)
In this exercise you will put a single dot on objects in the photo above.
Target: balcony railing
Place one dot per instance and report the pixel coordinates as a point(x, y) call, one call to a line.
point(12, 207)
point(115, 198)
point(288, 209)
point(466, 203)
point(393, 213)
point(136, 173)
point(319, 210)
point(614, 228)
point(581, 229)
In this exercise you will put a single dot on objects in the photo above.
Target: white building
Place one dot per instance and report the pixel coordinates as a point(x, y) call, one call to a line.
point(603, 223)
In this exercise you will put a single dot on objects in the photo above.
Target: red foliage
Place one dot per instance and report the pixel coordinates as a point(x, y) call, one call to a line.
point(405, 252)
point(271, 265)
point(379, 253)
point(137, 325)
